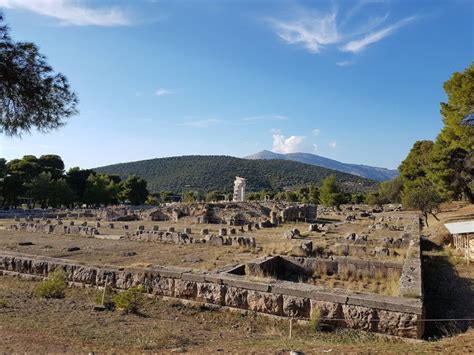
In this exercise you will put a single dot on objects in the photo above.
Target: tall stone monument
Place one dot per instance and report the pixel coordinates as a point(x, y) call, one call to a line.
point(239, 189)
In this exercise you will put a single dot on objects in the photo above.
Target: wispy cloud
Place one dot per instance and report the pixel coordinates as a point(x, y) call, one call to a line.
point(70, 12)
point(316, 132)
point(270, 117)
point(345, 63)
point(313, 30)
point(201, 123)
point(320, 30)
point(163, 92)
point(358, 45)
point(332, 144)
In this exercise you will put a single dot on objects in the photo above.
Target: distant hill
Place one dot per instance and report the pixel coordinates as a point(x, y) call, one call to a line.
point(217, 173)
point(370, 172)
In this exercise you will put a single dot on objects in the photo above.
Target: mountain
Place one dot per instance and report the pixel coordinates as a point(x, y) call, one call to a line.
point(370, 172)
point(217, 173)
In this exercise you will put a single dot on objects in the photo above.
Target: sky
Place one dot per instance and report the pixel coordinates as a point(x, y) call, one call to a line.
point(357, 81)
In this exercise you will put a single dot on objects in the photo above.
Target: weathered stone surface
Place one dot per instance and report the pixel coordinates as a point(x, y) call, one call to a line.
point(163, 286)
point(210, 293)
point(399, 324)
point(185, 289)
point(296, 307)
point(236, 297)
point(359, 317)
point(327, 312)
point(265, 302)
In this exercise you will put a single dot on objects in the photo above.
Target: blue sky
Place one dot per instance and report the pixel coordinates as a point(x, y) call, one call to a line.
point(356, 81)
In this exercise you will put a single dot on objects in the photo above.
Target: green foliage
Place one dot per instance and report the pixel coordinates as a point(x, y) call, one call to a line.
point(417, 163)
point(330, 194)
point(134, 190)
point(448, 163)
point(460, 91)
point(76, 178)
point(54, 286)
point(32, 95)
point(421, 195)
point(315, 320)
point(131, 300)
point(217, 173)
point(100, 190)
point(390, 191)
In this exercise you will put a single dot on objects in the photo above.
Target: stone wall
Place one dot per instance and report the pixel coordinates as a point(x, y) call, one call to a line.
point(48, 228)
point(384, 314)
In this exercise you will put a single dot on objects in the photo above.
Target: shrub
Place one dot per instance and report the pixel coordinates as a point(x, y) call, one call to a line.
point(315, 319)
point(54, 286)
point(131, 300)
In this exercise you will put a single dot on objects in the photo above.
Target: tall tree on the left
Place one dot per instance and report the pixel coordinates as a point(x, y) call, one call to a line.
point(32, 95)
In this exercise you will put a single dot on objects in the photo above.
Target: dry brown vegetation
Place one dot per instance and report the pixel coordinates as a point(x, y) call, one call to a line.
point(33, 324)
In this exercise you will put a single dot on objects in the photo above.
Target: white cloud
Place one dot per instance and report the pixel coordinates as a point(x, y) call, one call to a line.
point(317, 30)
point(313, 31)
point(292, 144)
point(271, 117)
point(332, 144)
point(344, 63)
point(357, 46)
point(201, 123)
point(316, 132)
point(163, 92)
point(70, 12)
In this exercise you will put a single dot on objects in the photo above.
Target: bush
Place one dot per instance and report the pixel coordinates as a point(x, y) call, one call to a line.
point(54, 286)
point(315, 320)
point(131, 300)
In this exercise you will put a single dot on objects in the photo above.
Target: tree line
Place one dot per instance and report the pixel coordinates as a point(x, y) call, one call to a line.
point(43, 182)
point(443, 169)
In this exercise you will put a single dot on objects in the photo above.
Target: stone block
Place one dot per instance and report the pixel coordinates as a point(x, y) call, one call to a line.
point(265, 302)
point(296, 307)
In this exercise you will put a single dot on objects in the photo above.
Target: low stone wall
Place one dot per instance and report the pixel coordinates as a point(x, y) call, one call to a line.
point(377, 313)
point(184, 238)
point(49, 228)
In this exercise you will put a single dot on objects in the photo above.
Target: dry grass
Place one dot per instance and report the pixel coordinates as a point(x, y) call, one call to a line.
point(31, 324)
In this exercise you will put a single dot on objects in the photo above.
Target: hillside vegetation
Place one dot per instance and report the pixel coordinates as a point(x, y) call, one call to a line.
point(211, 173)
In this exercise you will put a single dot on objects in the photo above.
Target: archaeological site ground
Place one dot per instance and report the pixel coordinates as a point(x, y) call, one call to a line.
point(236, 276)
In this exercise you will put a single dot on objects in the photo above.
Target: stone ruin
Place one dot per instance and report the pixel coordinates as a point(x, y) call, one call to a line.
point(171, 236)
point(231, 288)
point(266, 214)
point(59, 228)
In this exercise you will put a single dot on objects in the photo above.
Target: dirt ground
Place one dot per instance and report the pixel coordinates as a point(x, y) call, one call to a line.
point(30, 324)
point(270, 241)
point(36, 325)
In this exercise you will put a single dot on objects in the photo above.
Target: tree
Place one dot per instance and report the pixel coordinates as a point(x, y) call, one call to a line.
point(460, 91)
point(100, 190)
point(76, 178)
point(417, 162)
point(450, 170)
point(389, 191)
point(421, 195)
point(330, 194)
point(134, 190)
point(32, 95)
point(52, 164)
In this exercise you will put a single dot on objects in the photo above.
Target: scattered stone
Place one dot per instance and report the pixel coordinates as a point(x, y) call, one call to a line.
point(73, 249)
point(25, 243)
point(291, 234)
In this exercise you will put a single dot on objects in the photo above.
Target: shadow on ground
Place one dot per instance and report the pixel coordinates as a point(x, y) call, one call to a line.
point(449, 298)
